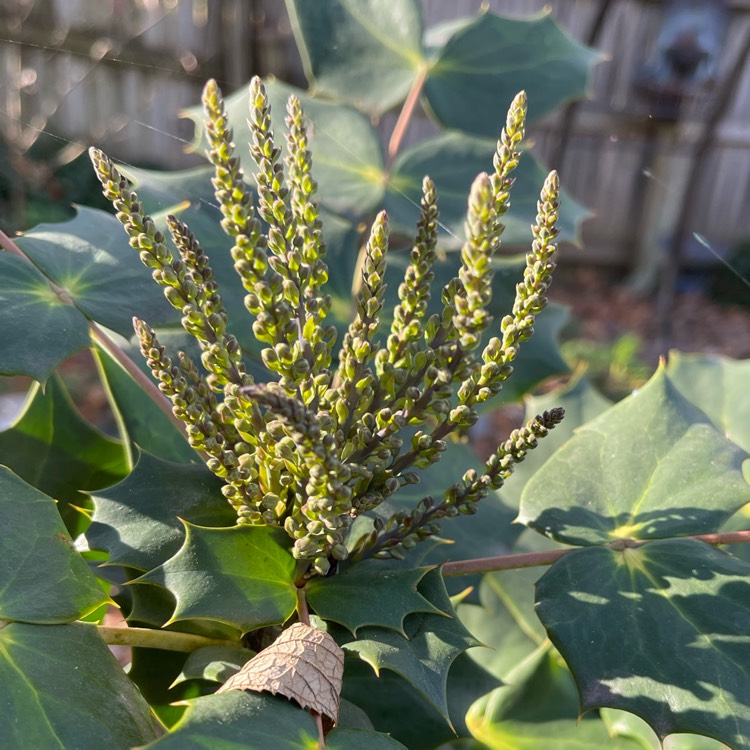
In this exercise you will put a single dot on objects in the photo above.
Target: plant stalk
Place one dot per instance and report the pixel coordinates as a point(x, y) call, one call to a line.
point(405, 116)
point(166, 640)
point(535, 559)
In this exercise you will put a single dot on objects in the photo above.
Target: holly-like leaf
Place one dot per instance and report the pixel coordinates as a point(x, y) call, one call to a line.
point(453, 160)
point(368, 52)
point(242, 576)
point(138, 520)
point(142, 424)
point(391, 595)
point(538, 710)
point(42, 578)
point(656, 630)
point(718, 387)
point(643, 470)
point(90, 259)
point(62, 688)
point(487, 61)
point(54, 449)
point(254, 721)
point(424, 657)
point(214, 663)
point(37, 329)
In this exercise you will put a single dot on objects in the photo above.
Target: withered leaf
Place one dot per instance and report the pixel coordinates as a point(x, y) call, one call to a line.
point(303, 664)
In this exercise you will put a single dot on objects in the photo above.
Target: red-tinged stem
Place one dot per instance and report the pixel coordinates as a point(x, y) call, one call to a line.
point(404, 117)
point(534, 559)
point(7, 244)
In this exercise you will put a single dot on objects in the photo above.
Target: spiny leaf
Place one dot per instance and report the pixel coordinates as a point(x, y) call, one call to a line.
point(391, 595)
point(642, 470)
point(656, 630)
point(53, 448)
point(424, 657)
point(42, 578)
point(62, 688)
point(242, 576)
point(214, 663)
point(137, 521)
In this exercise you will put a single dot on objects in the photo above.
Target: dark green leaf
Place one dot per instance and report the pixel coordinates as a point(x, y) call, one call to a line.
point(141, 422)
point(242, 576)
point(368, 52)
point(215, 663)
point(718, 387)
point(488, 61)
point(360, 739)
point(42, 578)
point(643, 469)
point(657, 630)
point(453, 160)
point(424, 657)
point(239, 719)
point(90, 258)
point(61, 688)
point(137, 520)
point(38, 329)
point(390, 596)
point(538, 710)
point(54, 449)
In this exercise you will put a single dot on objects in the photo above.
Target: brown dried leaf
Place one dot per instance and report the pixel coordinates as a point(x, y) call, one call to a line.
point(303, 664)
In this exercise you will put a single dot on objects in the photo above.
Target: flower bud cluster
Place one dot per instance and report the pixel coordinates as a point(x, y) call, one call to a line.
point(325, 443)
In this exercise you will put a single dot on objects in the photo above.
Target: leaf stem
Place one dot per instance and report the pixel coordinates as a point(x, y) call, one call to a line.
point(404, 117)
point(167, 640)
point(303, 613)
point(534, 559)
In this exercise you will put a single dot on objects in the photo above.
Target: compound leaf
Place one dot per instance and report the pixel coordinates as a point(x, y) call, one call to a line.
point(137, 521)
point(656, 630)
point(643, 469)
point(242, 576)
point(368, 595)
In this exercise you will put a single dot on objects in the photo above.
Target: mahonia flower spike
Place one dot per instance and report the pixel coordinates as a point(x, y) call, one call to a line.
point(319, 444)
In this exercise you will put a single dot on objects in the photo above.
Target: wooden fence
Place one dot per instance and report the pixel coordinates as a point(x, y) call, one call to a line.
point(115, 72)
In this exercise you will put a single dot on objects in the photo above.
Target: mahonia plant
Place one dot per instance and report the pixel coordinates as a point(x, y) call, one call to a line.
point(323, 443)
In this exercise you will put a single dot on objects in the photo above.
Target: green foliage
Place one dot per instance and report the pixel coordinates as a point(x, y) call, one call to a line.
point(333, 422)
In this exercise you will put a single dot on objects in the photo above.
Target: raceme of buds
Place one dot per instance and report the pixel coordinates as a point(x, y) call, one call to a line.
point(323, 441)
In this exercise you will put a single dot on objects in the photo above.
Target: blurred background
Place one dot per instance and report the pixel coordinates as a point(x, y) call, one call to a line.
point(658, 153)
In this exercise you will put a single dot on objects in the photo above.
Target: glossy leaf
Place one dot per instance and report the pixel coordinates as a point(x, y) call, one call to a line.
point(54, 449)
point(643, 470)
point(718, 387)
point(142, 424)
point(37, 329)
point(242, 576)
point(61, 688)
point(90, 258)
point(390, 596)
point(453, 160)
point(364, 51)
point(487, 61)
point(214, 663)
point(255, 721)
point(138, 520)
point(538, 710)
point(42, 578)
point(656, 631)
point(424, 657)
